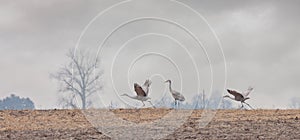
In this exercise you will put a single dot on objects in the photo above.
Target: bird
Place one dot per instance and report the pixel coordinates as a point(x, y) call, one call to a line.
point(240, 96)
point(176, 95)
point(142, 92)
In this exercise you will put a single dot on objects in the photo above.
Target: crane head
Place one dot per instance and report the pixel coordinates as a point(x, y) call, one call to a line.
point(124, 94)
point(168, 81)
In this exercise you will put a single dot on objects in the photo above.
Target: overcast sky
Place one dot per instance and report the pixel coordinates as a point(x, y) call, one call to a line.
point(259, 40)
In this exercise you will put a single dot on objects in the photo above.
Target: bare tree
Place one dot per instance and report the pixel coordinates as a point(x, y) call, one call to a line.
point(79, 78)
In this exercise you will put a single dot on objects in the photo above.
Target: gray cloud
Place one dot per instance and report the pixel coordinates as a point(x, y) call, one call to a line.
point(259, 39)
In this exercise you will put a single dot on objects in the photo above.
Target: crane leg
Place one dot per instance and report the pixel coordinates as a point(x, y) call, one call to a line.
point(151, 104)
point(249, 105)
point(143, 103)
point(242, 106)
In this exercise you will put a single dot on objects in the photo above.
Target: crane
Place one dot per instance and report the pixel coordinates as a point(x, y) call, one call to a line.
point(240, 96)
point(141, 92)
point(176, 95)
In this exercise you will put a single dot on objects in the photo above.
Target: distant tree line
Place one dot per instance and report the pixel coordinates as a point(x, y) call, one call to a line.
point(199, 101)
point(14, 102)
point(295, 103)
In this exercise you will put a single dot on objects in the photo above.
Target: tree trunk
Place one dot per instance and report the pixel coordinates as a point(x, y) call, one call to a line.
point(83, 100)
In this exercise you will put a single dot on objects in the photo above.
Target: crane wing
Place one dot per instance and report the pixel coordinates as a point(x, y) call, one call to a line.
point(175, 93)
point(235, 93)
point(147, 83)
point(139, 91)
point(247, 92)
point(146, 86)
point(181, 98)
point(178, 96)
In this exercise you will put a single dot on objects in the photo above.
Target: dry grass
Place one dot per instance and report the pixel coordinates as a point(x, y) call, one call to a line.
point(227, 124)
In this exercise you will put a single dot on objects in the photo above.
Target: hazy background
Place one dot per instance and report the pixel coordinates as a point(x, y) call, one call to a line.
point(260, 40)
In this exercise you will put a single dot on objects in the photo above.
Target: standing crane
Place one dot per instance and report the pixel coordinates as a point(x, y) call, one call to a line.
point(142, 92)
point(240, 96)
point(176, 95)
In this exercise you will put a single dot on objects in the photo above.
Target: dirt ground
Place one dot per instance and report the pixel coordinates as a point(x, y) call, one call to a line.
point(227, 124)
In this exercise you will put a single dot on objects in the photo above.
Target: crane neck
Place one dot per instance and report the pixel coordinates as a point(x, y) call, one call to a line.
point(230, 97)
point(170, 88)
point(132, 97)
